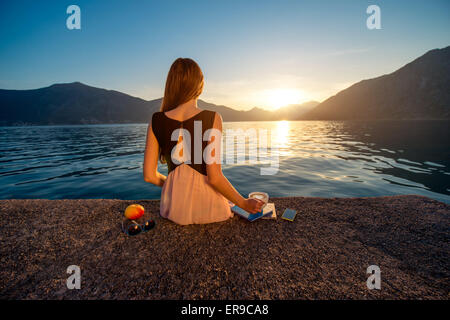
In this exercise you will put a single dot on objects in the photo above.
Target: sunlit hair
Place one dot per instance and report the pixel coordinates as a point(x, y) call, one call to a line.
point(184, 82)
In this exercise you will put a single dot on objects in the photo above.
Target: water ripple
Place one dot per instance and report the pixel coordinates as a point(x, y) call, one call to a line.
point(316, 158)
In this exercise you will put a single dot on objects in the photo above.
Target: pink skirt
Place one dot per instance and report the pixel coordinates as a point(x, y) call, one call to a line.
point(188, 198)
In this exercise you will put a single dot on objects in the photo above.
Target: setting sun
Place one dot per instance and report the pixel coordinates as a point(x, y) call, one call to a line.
point(281, 97)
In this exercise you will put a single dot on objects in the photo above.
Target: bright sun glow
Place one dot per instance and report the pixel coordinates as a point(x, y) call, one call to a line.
point(282, 97)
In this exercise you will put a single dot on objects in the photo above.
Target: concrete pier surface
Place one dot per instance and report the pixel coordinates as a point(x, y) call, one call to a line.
point(323, 254)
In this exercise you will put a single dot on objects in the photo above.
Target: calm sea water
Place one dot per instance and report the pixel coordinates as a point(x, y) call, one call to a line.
point(316, 158)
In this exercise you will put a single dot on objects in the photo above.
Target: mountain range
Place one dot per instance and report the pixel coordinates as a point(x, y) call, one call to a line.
point(77, 103)
point(419, 90)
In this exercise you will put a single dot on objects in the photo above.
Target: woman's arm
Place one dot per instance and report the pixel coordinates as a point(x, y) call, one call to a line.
point(221, 183)
point(151, 173)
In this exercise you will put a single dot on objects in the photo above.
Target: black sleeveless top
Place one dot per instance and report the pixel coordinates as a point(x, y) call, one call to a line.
point(163, 127)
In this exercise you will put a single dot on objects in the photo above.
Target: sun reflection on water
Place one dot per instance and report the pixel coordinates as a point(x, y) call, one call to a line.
point(280, 137)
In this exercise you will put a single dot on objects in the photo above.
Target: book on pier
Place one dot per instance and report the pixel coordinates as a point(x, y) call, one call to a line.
point(268, 212)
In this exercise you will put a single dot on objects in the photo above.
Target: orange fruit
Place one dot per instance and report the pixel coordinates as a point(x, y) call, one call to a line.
point(134, 211)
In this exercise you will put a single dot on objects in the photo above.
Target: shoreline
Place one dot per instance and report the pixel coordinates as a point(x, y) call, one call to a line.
point(225, 121)
point(323, 254)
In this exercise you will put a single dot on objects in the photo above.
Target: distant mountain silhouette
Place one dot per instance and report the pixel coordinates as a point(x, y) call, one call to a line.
point(419, 90)
point(291, 112)
point(72, 103)
point(77, 103)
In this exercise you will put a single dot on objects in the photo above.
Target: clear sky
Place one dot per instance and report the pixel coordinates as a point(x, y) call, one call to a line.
point(253, 53)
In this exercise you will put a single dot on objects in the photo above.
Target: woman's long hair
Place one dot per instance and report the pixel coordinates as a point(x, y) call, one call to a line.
point(184, 82)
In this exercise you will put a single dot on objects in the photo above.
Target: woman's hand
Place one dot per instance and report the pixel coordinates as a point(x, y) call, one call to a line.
point(252, 205)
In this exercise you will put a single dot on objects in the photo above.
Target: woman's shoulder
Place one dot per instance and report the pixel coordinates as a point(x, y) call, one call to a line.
point(211, 114)
point(157, 115)
point(213, 119)
point(156, 120)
